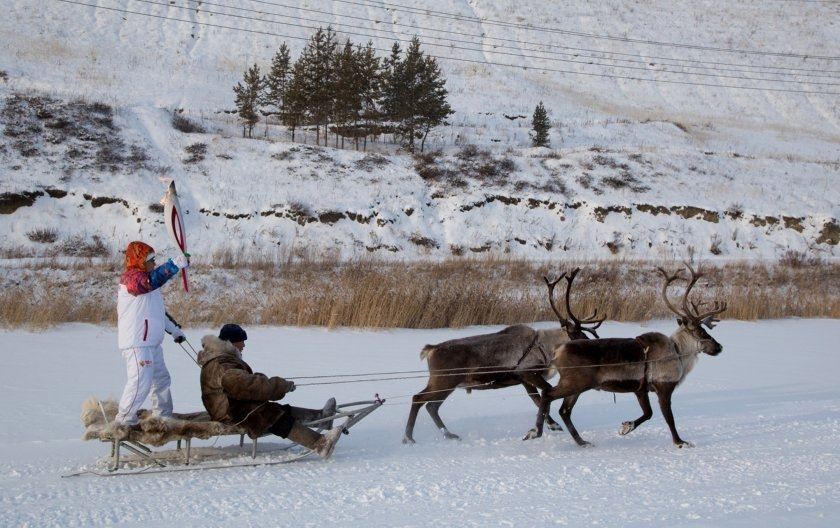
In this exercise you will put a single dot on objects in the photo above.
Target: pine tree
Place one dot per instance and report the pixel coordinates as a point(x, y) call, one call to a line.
point(540, 125)
point(319, 58)
point(393, 85)
point(415, 94)
point(346, 95)
point(296, 98)
point(370, 75)
point(278, 78)
point(433, 109)
point(248, 98)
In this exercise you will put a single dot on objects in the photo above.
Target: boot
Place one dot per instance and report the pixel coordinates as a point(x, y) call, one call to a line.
point(321, 444)
point(328, 410)
point(328, 441)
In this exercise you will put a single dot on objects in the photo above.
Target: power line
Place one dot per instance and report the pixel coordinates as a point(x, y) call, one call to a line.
point(518, 50)
point(550, 45)
point(459, 59)
point(462, 48)
point(467, 18)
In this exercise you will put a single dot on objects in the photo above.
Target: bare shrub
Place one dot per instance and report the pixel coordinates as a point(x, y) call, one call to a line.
point(197, 152)
point(372, 161)
point(283, 155)
point(186, 125)
point(714, 247)
point(799, 259)
point(81, 246)
point(735, 211)
point(4, 76)
point(43, 236)
point(469, 152)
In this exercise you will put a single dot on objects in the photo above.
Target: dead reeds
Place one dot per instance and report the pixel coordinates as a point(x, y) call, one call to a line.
point(282, 290)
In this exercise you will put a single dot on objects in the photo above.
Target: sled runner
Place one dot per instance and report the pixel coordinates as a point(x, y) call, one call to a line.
point(98, 419)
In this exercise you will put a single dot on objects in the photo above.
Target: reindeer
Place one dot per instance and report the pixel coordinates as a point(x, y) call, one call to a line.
point(650, 362)
point(517, 355)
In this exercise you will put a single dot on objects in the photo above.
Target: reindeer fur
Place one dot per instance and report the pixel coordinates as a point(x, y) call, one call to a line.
point(152, 430)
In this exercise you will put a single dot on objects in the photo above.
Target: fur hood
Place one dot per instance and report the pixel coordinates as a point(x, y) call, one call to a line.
point(212, 347)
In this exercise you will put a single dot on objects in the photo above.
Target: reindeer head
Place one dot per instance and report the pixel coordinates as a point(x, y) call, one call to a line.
point(574, 328)
point(690, 319)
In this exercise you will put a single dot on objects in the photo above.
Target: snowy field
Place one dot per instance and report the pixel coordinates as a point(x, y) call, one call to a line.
point(764, 415)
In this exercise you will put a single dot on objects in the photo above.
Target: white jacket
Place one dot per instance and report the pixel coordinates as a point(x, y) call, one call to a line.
point(141, 318)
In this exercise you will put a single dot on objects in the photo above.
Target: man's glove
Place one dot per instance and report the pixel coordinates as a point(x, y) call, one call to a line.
point(179, 336)
point(182, 261)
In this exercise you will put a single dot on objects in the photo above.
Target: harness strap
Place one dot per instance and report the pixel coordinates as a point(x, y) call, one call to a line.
point(528, 349)
point(645, 362)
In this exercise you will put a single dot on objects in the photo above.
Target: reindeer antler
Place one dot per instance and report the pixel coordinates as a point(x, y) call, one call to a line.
point(691, 312)
point(551, 284)
point(668, 280)
point(578, 323)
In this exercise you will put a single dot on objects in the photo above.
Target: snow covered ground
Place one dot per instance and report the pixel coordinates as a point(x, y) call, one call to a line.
point(764, 415)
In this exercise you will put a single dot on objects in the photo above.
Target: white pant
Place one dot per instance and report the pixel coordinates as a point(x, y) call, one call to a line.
point(146, 373)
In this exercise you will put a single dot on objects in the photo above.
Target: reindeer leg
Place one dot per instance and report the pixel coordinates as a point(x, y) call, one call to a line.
point(546, 398)
point(565, 387)
point(664, 391)
point(433, 407)
point(534, 394)
point(566, 415)
point(647, 412)
point(417, 401)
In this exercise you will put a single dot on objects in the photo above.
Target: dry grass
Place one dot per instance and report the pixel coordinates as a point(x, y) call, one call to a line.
point(283, 290)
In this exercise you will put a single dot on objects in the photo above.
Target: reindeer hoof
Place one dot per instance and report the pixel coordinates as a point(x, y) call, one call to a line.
point(682, 443)
point(555, 427)
point(584, 443)
point(408, 441)
point(626, 427)
point(530, 435)
point(450, 436)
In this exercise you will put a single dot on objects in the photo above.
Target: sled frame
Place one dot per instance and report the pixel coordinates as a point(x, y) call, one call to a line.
point(354, 412)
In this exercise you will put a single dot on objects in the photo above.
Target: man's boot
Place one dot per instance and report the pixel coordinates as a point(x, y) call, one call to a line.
point(330, 438)
point(327, 411)
point(321, 444)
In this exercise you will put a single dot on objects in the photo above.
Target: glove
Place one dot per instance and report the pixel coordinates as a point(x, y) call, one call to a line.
point(291, 386)
point(179, 336)
point(182, 261)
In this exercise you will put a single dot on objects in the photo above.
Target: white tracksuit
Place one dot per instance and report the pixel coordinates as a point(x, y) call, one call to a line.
point(142, 322)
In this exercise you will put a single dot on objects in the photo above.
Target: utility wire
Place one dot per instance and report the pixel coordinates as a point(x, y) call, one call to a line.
point(517, 50)
point(702, 63)
point(459, 59)
point(462, 48)
point(468, 18)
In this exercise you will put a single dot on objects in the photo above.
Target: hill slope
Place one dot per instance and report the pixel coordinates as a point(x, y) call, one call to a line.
point(641, 169)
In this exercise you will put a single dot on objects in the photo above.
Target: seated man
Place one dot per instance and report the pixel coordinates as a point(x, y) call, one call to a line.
point(233, 394)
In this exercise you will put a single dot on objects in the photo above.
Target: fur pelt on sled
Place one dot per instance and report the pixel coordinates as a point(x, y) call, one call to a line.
point(152, 430)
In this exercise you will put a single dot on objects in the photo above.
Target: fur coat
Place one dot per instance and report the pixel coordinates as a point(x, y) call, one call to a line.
point(233, 394)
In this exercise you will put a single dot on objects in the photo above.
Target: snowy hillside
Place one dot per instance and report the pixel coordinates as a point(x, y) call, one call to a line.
point(636, 169)
point(764, 421)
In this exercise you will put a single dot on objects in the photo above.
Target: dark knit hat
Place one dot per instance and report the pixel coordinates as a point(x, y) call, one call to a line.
point(233, 333)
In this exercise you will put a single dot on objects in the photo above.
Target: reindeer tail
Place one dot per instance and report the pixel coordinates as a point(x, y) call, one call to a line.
point(426, 352)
